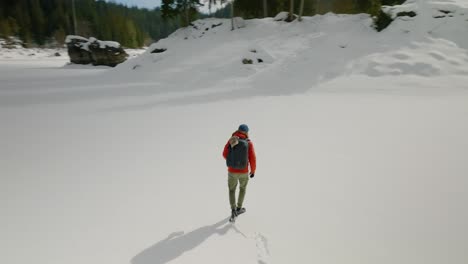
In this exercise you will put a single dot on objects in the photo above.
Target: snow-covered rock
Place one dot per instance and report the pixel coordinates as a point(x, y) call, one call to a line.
point(78, 50)
point(281, 16)
point(284, 16)
point(93, 51)
point(239, 22)
point(255, 54)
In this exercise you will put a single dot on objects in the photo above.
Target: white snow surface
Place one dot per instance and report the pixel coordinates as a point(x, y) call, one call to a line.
point(70, 38)
point(102, 44)
point(361, 141)
point(39, 55)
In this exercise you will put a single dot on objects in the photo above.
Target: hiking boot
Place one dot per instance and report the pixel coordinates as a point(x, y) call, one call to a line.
point(240, 210)
point(234, 212)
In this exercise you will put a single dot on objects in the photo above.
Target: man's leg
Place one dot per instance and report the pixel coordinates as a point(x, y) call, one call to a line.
point(232, 184)
point(243, 180)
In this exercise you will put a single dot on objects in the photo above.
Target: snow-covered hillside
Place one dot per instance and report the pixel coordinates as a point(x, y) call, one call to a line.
point(362, 153)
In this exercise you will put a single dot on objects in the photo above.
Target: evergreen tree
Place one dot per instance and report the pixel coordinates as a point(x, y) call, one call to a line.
point(344, 7)
point(392, 2)
point(254, 8)
point(37, 21)
point(368, 6)
point(8, 27)
point(185, 9)
point(41, 21)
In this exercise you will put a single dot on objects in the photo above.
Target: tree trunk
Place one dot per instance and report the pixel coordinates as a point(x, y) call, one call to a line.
point(301, 10)
point(265, 8)
point(209, 9)
point(291, 10)
point(75, 32)
point(232, 15)
point(187, 9)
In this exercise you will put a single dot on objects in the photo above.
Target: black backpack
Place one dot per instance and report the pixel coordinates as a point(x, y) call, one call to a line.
point(238, 153)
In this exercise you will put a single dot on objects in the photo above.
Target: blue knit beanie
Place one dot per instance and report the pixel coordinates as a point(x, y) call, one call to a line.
point(244, 128)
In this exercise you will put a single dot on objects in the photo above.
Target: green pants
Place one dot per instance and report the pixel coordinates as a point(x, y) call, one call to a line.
point(233, 178)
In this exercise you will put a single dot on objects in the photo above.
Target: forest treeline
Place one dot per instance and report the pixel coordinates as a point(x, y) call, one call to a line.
point(47, 22)
point(260, 8)
point(270, 8)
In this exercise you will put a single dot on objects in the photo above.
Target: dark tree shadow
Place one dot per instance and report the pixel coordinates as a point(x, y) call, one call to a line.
point(178, 243)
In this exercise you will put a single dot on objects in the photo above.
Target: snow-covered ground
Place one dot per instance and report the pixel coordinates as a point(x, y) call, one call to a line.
point(39, 54)
point(361, 141)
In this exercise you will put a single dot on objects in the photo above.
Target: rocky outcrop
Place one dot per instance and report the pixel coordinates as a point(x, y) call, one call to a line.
point(92, 51)
point(284, 16)
point(78, 50)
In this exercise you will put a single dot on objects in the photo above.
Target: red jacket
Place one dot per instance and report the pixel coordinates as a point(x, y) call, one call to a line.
point(252, 157)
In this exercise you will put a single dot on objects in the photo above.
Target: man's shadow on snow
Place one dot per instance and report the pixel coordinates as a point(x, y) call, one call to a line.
point(178, 243)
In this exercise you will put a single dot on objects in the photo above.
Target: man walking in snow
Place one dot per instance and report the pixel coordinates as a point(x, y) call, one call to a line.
point(239, 154)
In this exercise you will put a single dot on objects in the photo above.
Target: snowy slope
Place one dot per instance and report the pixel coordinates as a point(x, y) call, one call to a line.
point(360, 137)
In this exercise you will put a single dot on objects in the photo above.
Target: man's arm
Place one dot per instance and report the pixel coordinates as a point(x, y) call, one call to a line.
point(252, 158)
point(226, 150)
